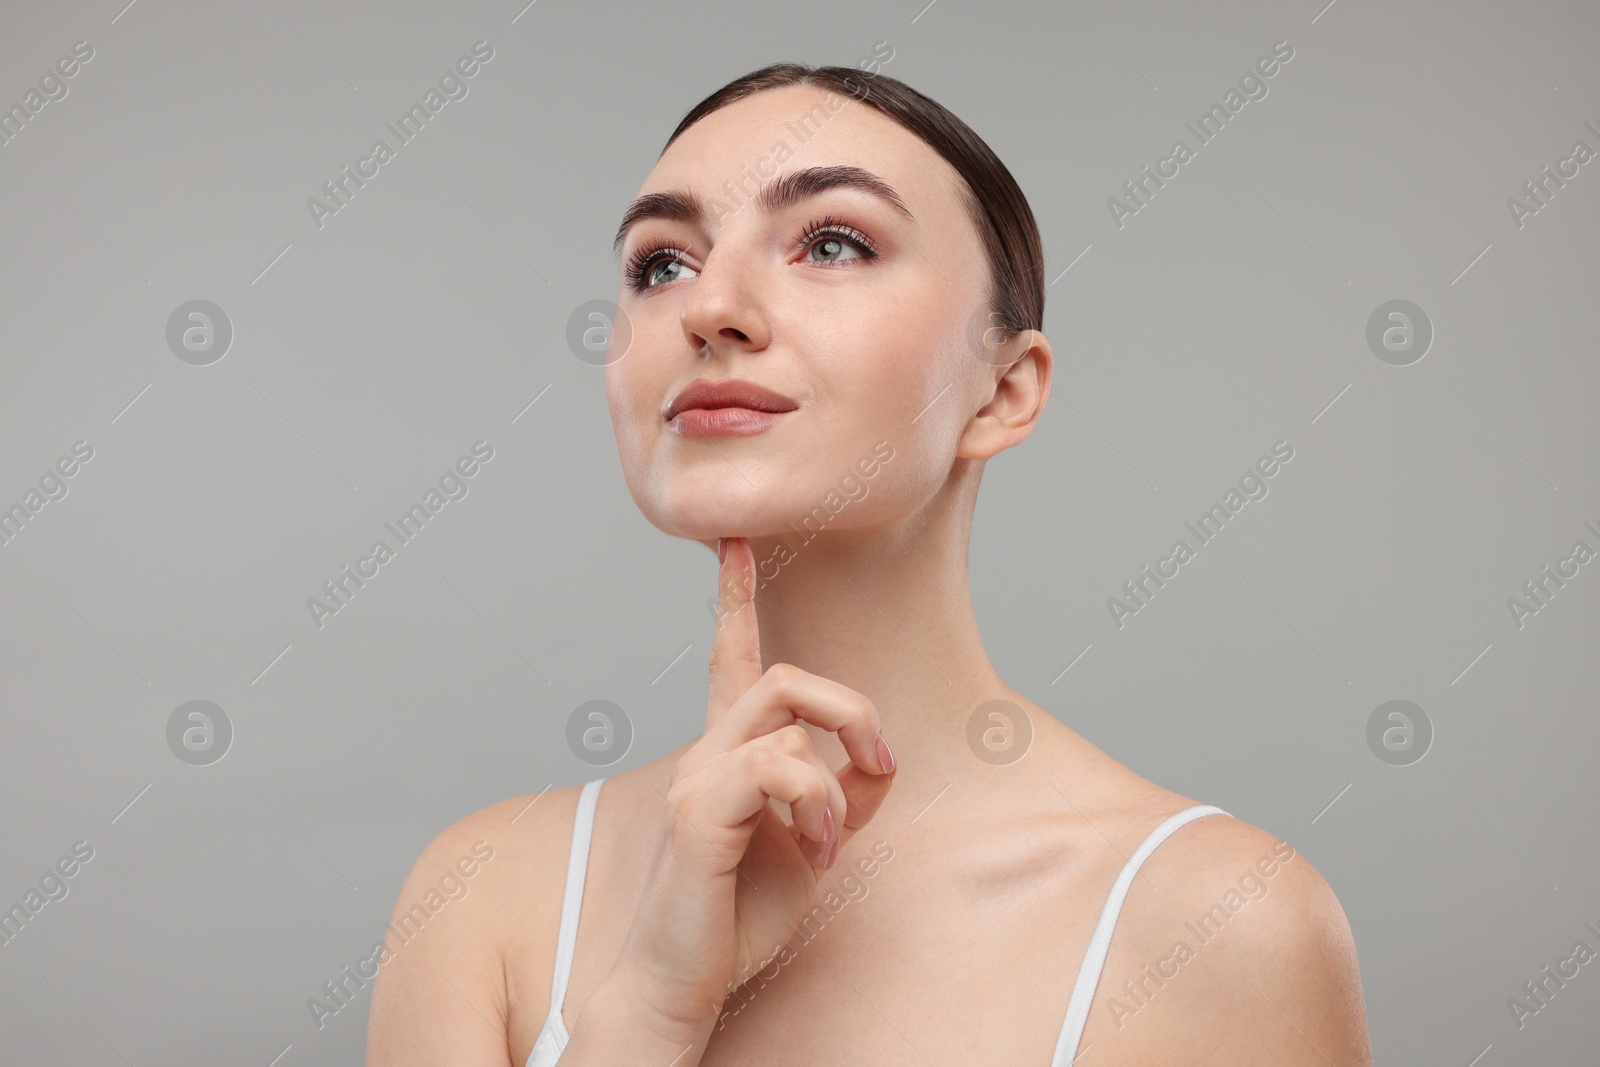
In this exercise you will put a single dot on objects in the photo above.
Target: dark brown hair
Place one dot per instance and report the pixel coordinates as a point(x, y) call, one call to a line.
point(990, 194)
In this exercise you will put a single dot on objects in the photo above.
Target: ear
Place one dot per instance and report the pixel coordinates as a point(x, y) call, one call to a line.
point(1021, 387)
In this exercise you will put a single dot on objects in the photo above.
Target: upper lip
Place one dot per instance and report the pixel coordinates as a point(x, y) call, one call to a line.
point(728, 393)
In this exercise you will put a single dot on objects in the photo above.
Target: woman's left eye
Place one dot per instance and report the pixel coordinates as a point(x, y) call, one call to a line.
point(832, 238)
point(833, 248)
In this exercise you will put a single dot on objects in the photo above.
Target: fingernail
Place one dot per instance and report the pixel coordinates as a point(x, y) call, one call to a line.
point(722, 549)
point(885, 757)
point(827, 823)
point(833, 854)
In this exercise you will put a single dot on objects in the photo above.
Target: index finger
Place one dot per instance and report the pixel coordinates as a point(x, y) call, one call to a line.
point(736, 646)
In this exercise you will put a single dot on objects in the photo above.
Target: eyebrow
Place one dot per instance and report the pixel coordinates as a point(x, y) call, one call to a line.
point(681, 205)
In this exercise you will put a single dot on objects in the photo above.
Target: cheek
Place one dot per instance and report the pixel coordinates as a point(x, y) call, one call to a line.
point(883, 420)
point(928, 395)
point(889, 374)
point(917, 388)
point(629, 414)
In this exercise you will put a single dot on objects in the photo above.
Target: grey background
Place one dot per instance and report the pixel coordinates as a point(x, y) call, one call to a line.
point(370, 354)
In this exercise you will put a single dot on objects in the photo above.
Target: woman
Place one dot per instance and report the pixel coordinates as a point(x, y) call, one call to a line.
point(832, 282)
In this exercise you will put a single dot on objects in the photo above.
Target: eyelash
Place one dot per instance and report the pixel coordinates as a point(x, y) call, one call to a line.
point(642, 261)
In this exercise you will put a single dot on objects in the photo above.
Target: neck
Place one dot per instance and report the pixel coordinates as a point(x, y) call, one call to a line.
point(886, 612)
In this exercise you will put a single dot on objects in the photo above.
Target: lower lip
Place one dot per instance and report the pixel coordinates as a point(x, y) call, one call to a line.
point(723, 422)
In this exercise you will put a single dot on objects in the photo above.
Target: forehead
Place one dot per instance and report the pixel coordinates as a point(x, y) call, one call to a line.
point(780, 131)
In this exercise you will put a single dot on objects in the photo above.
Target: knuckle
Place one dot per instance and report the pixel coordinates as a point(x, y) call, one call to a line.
point(792, 739)
point(784, 675)
point(762, 759)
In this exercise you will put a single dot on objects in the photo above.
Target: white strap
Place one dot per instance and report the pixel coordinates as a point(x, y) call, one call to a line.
point(577, 867)
point(1100, 941)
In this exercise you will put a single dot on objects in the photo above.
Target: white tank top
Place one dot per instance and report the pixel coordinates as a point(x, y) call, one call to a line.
point(553, 1037)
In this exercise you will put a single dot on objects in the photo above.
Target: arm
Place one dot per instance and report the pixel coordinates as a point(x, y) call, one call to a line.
point(440, 992)
point(444, 997)
point(440, 996)
point(1296, 981)
point(1278, 985)
point(619, 1028)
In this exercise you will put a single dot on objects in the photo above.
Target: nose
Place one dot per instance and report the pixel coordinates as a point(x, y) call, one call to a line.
point(723, 311)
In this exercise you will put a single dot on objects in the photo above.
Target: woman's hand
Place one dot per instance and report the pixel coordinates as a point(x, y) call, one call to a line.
point(730, 876)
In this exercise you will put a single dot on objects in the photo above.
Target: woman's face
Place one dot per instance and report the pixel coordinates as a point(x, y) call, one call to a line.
point(859, 313)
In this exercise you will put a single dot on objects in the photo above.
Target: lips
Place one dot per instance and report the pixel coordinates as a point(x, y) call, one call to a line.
point(728, 393)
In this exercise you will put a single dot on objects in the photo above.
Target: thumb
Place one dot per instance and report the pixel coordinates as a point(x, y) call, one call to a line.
point(864, 792)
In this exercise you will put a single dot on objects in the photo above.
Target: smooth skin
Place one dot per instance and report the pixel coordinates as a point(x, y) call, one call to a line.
point(964, 945)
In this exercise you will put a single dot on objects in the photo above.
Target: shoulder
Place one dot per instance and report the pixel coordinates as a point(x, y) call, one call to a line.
point(1263, 934)
point(487, 881)
point(514, 849)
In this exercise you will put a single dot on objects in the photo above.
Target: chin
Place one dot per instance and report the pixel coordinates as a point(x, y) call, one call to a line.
point(707, 503)
point(708, 516)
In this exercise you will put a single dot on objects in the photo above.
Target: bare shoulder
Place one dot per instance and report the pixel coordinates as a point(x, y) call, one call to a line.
point(1230, 946)
point(1233, 945)
point(488, 884)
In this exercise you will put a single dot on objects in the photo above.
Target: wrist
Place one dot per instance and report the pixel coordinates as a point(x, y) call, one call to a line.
point(629, 1002)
